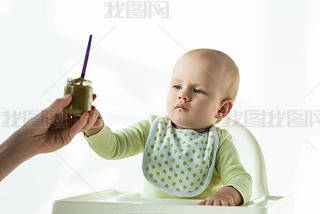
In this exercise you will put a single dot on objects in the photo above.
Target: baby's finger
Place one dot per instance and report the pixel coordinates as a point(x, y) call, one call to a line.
point(224, 203)
point(94, 96)
point(210, 202)
point(216, 202)
point(231, 203)
point(202, 202)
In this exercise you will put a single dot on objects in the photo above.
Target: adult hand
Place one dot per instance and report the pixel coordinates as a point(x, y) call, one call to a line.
point(48, 131)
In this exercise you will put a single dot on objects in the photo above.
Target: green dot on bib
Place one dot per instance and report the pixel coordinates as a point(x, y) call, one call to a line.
point(189, 146)
point(201, 171)
point(147, 168)
point(187, 178)
point(203, 162)
point(158, 173)
point(182, 172)
point(196, 165)
point(207, 167)
point(179, 157)
point(194, 174)
point(168, 138)
point(191, 184)
point(180, 131)
point(192, 133)
point(191, 160)
point(163, 128)
point(161, 141)
point(181, 150)
point(155, 138)
point(151, 175)
point(199, 156)
point(159, 134)
point(179, 139)
point(153, 166)
point(201, 142)
point(164, 171)
point(175, 151)
point(180, 181)
point(169, 153)
point(177, 166)
point(203, 175)
point(173, 183)
point(159, 164)
point(183, 142)
point(184, 187)
point(191, 139)
point(162, 155)
point(196, 188)
point(208, 149)
point(148, 154)
point(198, 180)
point(184, 162)
point(166, 162)
point(189, 169)
point(171, 145)
point(157, 129)
point(200, 149)
point(173, 160)
point(201, 183)
point(177, 189)
point(155, 158)
point(165, 123)
point(206, 142)
point(175, 175)
point(194, 151)
point(165, 134)
point(211, 136)
point(166, 185)
point(175, 135)
point(170, 169)
point(196, 143)
point(152, 146)
point(165, 146)
point(187, 154)
point(158, 149)
point(169, 177)
point(162, 179)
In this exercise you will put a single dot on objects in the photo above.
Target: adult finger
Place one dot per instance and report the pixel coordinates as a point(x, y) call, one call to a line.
point(78, 126)
point(91, 120)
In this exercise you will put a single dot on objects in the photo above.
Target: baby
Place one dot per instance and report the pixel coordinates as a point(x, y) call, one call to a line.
point(184, 154)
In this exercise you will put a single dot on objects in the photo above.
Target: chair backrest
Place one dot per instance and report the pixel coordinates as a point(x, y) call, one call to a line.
point(250, 154)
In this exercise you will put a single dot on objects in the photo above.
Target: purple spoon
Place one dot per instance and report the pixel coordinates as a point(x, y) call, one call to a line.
point(86, 58)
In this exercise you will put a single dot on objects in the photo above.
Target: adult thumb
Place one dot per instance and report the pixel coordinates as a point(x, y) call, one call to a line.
point(61, 102)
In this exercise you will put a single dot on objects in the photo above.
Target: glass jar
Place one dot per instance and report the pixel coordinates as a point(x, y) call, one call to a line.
point(82, 96)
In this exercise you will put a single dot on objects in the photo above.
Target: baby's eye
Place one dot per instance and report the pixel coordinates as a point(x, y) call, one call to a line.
point(176, 87)
point(198, 91)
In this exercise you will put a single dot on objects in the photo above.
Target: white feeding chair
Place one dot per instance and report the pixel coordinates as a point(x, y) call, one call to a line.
point(115, 202)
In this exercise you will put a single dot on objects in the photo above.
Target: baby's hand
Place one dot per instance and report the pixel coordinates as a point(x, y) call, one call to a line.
point(225, 196)
point(95, 122)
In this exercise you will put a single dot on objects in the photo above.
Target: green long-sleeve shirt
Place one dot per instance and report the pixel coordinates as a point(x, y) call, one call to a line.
point(131, 141)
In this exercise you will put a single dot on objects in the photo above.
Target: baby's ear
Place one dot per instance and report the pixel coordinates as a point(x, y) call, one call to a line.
point(224, 110)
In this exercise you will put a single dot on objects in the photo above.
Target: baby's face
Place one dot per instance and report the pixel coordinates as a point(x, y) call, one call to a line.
point(195, 93)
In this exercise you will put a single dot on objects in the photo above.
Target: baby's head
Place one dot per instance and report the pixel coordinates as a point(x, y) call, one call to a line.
point(204, 85)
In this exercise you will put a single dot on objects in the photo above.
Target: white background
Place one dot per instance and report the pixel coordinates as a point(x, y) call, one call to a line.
point(275, 44)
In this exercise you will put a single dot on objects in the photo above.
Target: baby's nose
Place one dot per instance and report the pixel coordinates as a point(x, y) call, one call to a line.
point(184, 96)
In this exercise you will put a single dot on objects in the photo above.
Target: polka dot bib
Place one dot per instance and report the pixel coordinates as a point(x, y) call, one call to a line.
point(179, 161)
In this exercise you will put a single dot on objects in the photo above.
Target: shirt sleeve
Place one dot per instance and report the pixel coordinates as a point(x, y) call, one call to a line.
point(229, 167)
point(121, 144)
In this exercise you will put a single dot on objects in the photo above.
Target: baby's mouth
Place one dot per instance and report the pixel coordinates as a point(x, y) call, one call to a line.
point(181, 106)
